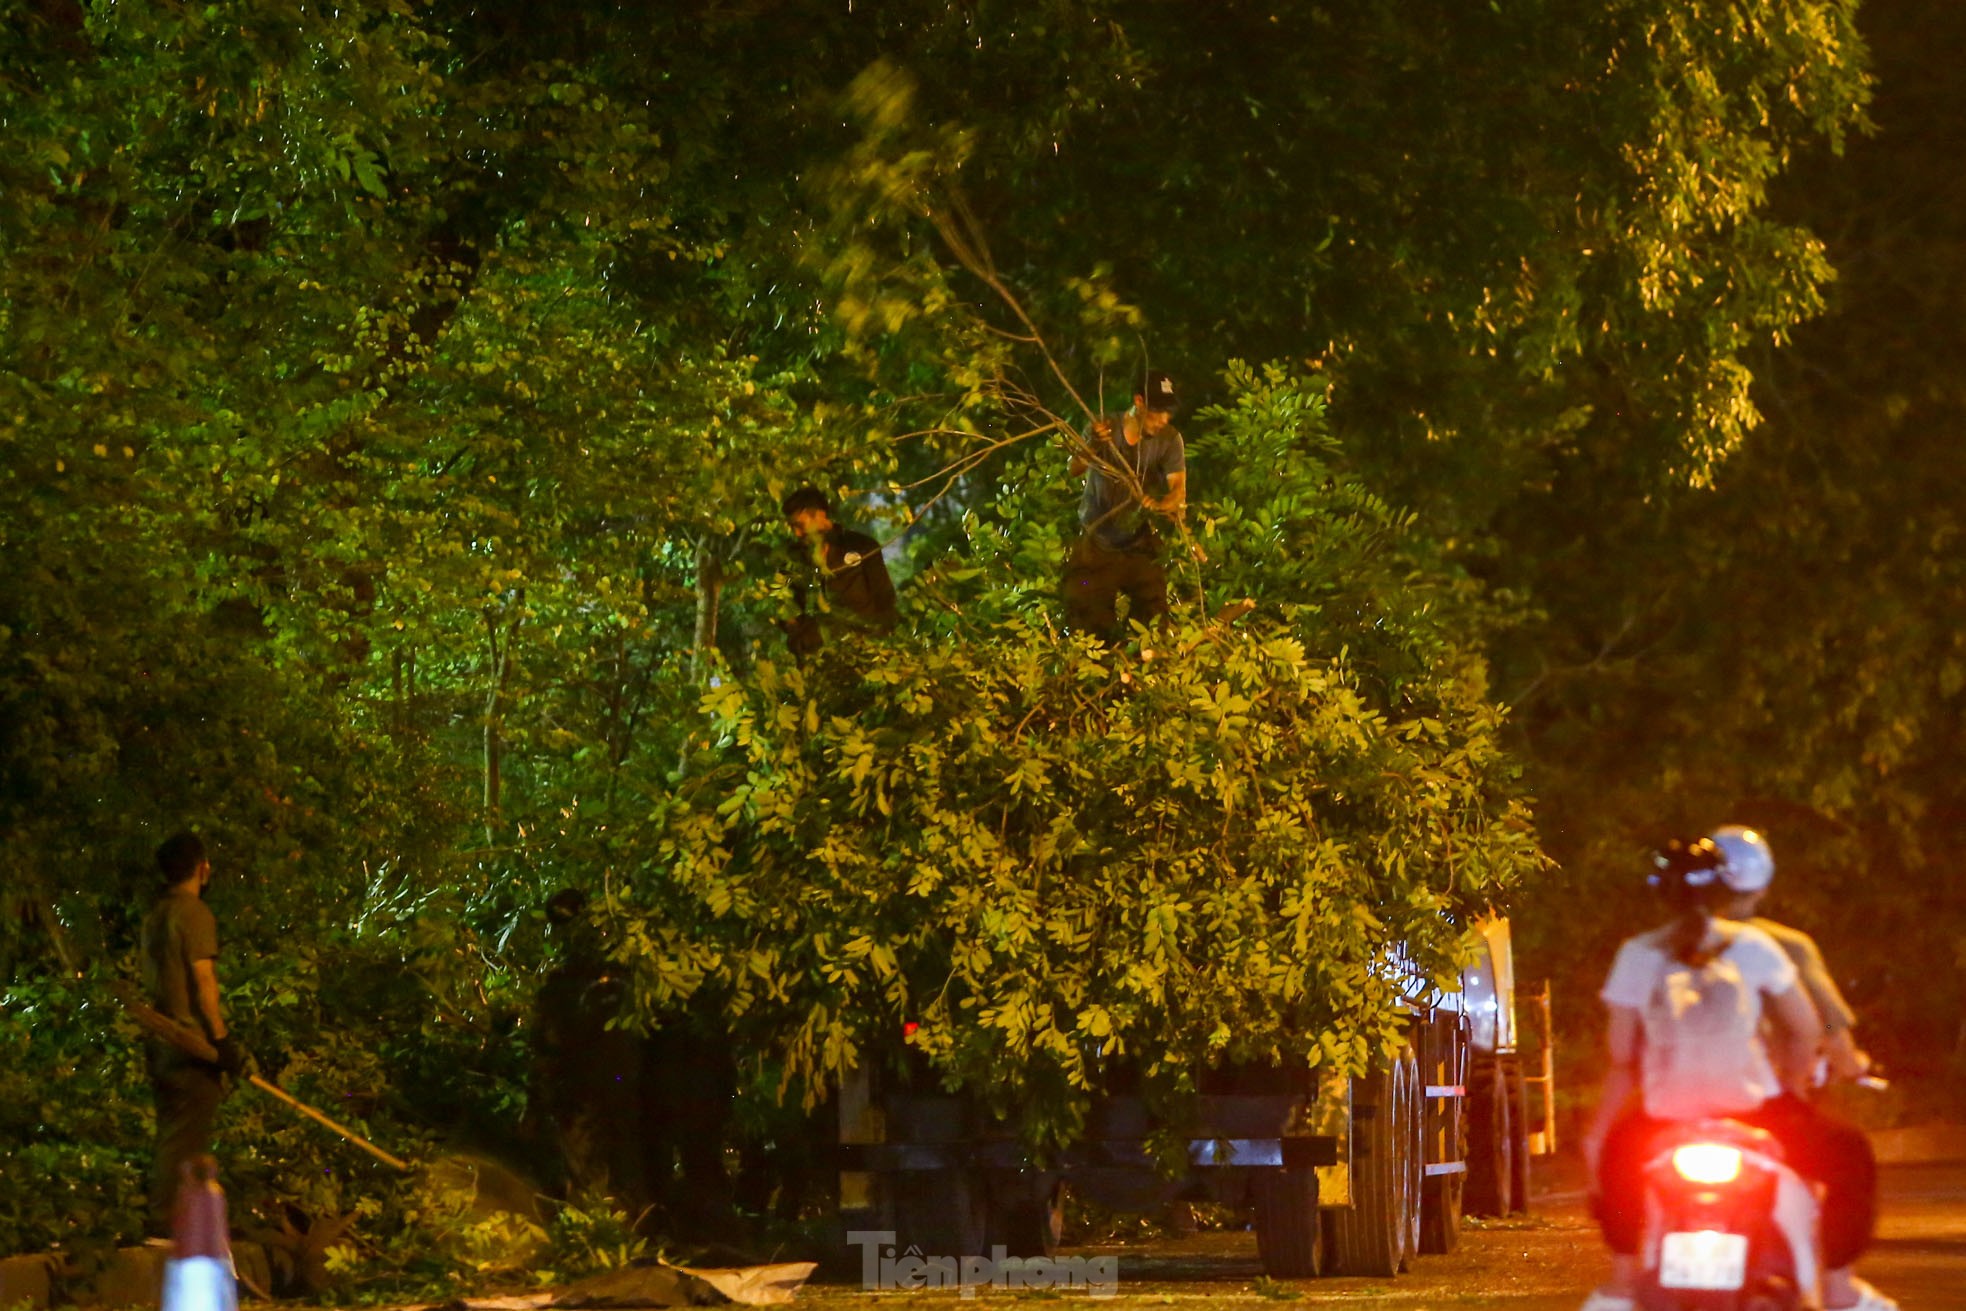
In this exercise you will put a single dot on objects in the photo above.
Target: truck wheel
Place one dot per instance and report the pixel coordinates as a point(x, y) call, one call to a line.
point(1379, 1232)
point(1289, 1238)
point(1518, 1140)
point(1027, 1217)
point(1491, 1141)
point(1440, 1213)
point(1447, 1127)
point(1413, 1158)
point(939, 1212)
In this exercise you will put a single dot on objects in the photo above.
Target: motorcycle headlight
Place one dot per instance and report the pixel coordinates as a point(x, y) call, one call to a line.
point(1707, 1163)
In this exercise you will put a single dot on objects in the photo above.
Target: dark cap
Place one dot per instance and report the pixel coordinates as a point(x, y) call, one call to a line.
point(806, 498)
point(1158, 388)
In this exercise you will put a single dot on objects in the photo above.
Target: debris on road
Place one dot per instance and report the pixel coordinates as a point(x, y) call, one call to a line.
point(661, 1285)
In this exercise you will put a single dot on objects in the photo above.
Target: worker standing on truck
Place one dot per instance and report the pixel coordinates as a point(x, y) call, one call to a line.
point(1134, 463)
point(848, 566)
point(1748, 870)
point(180, 974)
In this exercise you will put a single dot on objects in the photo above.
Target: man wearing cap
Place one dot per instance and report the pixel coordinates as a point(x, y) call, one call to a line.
point(849, 566)
point(1133, 464)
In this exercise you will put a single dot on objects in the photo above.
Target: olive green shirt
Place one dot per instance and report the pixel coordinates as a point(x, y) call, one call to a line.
point(179, 932)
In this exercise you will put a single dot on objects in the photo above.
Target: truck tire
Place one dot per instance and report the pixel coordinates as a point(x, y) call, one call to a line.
point(1491, 1140)
point(1379, 1233)
point(939, 1212)
point(1413, 1158)
point(1440, 1214)
point(1289, 1237)
point(1027, 1217)
point(1447, 1054)
point(1518, 1139)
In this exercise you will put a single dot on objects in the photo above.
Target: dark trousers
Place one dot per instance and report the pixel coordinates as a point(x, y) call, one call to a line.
point(689, 1084)
point(1096, 576)
point(1826, 1151)
point(188, 1093)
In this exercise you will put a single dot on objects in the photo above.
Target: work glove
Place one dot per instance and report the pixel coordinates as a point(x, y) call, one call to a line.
point(234, 1058)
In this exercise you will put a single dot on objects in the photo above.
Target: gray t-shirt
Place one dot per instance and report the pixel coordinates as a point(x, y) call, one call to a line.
point(1109, 511)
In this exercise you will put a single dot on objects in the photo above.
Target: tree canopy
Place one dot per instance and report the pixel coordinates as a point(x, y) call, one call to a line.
point(1791, 659)
point(396, 399)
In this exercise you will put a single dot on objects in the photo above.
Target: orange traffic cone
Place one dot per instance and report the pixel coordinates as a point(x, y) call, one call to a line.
point(199, 1275)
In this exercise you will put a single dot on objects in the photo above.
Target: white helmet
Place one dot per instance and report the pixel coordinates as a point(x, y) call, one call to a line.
point(1749, 864)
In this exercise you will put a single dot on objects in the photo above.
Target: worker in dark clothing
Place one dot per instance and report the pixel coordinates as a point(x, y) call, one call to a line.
point(1135, 466)
point(588, 1069)
point(689, 1081)
point(849, 566)
point(180, 954)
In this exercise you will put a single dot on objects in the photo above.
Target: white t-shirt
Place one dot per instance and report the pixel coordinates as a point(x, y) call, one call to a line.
point(1703, 1051)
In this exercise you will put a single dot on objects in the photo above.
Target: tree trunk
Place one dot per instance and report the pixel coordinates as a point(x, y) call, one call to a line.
point(50, 917)
point(396, 683)
point(501, 658)
point(709, 596)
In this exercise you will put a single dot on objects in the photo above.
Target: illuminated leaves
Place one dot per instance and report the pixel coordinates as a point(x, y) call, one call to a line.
point(1044, 864)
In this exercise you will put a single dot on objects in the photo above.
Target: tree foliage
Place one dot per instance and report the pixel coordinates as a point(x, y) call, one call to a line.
point(1791, 659)
point(1053, 856)
point(395, 399)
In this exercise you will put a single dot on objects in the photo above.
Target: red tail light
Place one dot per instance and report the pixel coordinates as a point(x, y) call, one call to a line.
point(1707, 1163)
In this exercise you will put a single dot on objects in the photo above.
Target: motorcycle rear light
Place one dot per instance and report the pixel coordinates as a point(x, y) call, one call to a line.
point(1707, 1163)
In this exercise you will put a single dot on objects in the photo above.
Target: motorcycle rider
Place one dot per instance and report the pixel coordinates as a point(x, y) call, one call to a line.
point(1749, 869)
point(1686, 1006)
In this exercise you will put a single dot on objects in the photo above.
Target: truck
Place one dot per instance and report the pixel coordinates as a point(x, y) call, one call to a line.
point(1343, 1175)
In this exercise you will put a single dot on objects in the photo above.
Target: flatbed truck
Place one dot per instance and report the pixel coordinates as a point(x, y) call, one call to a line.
point(1343, 1175)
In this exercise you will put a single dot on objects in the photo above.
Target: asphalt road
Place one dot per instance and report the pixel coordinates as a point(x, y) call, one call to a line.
point(1920, 1257)
point(1546, 1262)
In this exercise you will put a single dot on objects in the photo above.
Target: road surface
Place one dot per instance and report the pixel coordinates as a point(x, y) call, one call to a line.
point(1544, 1263)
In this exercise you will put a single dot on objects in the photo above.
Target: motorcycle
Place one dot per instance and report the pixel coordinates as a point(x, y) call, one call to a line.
point(1729, 1226)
